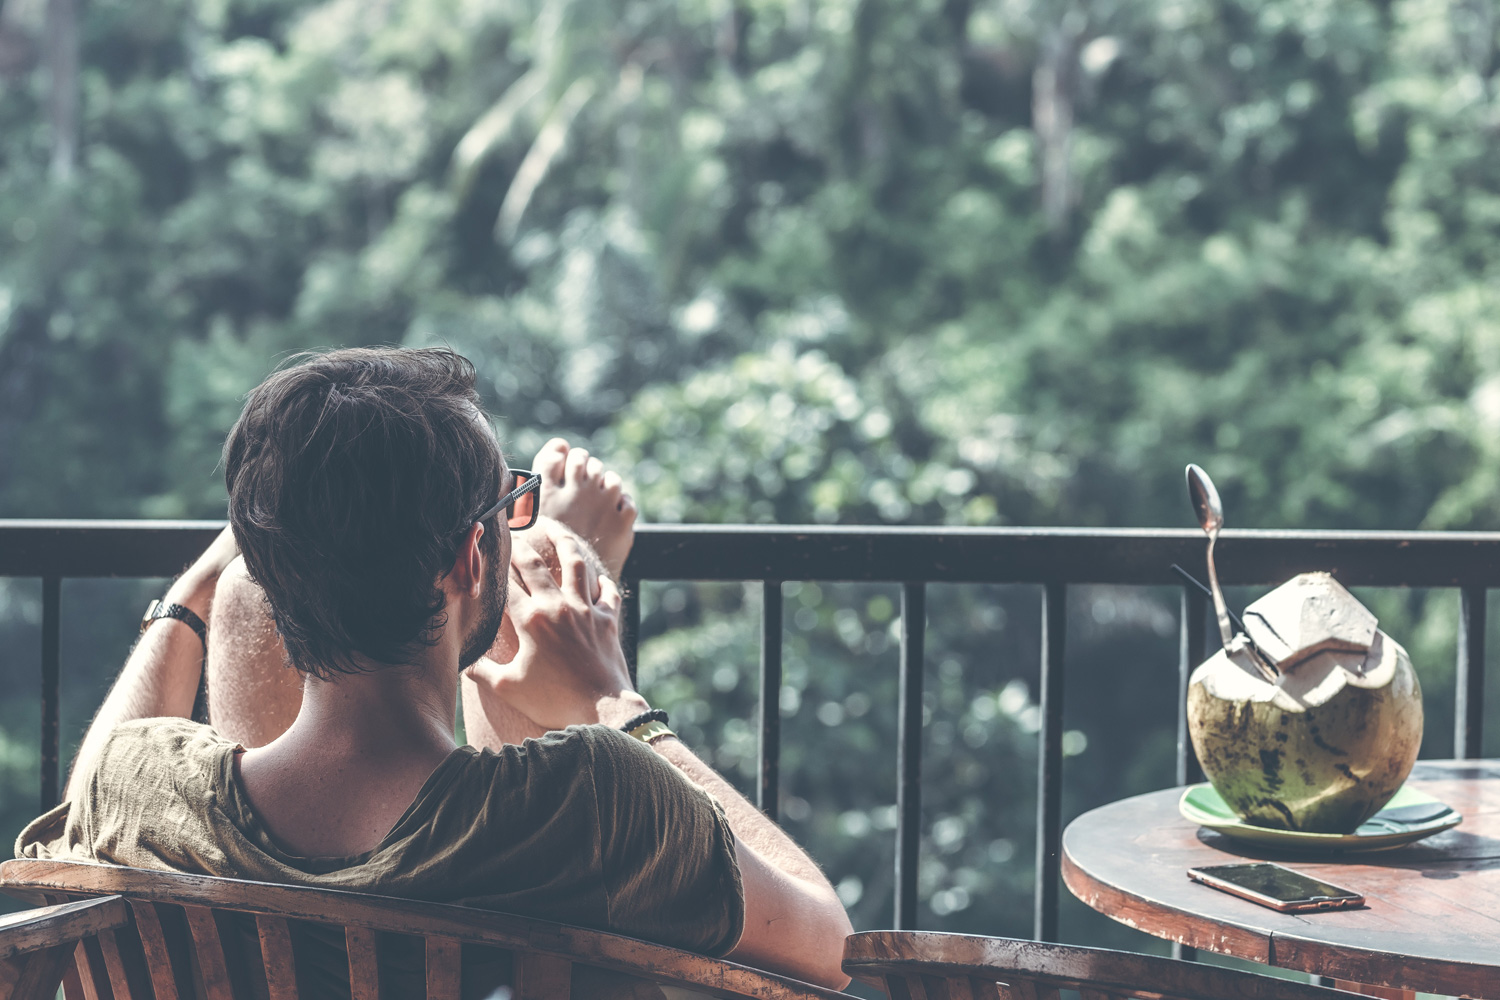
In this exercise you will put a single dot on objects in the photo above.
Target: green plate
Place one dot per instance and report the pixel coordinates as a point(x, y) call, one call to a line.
point(1423, 816)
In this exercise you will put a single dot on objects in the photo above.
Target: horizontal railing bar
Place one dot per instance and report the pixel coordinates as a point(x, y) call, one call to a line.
point(102, 548)
point(868, 553)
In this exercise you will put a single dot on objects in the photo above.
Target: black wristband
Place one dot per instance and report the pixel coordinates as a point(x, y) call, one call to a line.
point(160, 609)
point(654, 715)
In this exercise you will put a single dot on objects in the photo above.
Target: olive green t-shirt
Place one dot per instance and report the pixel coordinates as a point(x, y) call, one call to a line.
point(587, 826)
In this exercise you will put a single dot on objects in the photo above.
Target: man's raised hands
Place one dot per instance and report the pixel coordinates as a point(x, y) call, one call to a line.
point(563, 626)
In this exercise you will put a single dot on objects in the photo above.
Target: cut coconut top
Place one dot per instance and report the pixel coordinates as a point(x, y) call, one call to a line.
point(1309, 614)
point(1231, 674)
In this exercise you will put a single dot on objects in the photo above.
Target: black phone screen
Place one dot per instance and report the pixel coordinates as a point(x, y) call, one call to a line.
point(1279, 883)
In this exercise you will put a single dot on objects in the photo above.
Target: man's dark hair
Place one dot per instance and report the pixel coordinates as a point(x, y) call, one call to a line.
point(352, 477)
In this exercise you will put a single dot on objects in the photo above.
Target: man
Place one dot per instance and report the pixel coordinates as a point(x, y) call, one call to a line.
point(372, 505)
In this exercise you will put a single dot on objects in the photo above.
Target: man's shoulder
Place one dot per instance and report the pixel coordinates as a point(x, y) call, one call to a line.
point(167, 731)
point(168, 749)
point(611, 761)
point(150, 786)
point(581, 744)
point(170, 740)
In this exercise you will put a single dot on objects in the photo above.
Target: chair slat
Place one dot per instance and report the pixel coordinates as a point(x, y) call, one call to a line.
point(1023, 989)
point(72, 985)
point(114, 965)
point(984, 989)
point(916, 988)
point(154, 947)
point(276, 955)
point(1045, 991)
point(959, 988)
point(89, 963)
point(41, 972)
point(443, 973)
point(364, 963)
point(895, 988)
point(209, 948)
point(542, 977)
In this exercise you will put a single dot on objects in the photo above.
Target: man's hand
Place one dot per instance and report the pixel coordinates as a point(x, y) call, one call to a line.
point(194, 589)
point(568, 668)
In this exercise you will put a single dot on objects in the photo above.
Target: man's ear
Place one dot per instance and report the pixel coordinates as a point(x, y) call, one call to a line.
point(468, 566)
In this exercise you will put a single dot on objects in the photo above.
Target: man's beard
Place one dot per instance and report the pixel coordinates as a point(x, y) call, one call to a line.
point(479, 640)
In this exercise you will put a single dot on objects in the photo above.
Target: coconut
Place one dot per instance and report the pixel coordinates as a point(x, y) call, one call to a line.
point(1322, 743)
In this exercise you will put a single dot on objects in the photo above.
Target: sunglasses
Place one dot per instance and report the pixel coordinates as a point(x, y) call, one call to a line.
point(522, 504)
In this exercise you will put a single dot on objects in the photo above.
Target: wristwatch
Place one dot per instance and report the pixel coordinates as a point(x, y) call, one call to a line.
point(649, 732)
point(161, 609)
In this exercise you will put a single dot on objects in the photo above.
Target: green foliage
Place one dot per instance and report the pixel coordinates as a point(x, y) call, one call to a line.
point(854, 261)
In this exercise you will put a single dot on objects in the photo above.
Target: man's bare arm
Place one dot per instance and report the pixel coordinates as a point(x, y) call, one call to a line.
point(160, 677)
point(793, 918)
point(568, 668)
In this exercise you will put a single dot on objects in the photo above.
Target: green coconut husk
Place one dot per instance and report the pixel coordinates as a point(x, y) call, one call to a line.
point(1320, 749)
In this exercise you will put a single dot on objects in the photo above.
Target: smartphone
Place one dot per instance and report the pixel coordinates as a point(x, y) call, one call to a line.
point(1279, 888)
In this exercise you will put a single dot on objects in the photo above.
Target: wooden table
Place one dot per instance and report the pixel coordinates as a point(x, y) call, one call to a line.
point(1432, 919)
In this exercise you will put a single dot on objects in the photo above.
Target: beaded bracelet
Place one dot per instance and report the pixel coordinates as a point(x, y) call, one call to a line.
point(651, 715)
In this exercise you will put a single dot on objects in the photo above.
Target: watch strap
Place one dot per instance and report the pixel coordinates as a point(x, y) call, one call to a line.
point(161, 609)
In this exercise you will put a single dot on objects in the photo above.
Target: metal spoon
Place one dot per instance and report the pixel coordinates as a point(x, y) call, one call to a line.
point(1211, 517)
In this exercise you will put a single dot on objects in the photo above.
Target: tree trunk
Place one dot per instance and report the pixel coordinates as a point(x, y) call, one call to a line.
point(1054, 90)
point(62, 93)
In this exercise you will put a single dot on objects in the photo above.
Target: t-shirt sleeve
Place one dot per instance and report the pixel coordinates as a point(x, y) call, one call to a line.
point(668, 854)
point(141, 803)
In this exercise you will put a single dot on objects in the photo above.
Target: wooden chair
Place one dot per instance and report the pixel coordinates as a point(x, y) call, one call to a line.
point(193, 937)
point(916, 965)
point(36, 945)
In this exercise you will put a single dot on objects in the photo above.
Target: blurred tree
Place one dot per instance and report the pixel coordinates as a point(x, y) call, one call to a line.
point(858, 261)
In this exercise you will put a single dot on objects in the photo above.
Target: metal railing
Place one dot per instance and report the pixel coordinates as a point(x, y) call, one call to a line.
point(913, 557)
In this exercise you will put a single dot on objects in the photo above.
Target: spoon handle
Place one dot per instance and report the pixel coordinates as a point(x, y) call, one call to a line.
point(1221, 610)
point(1189, 578)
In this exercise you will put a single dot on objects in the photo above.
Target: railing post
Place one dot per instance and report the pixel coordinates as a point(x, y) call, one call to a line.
point(1049, 763)
point(1468, 682)
point(767, 791)
point(1192, 638)
point(909, 759)
point(630, 624)
point(51, 691)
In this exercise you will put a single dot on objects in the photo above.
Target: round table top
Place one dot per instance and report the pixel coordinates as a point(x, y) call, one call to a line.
point(1431, 920)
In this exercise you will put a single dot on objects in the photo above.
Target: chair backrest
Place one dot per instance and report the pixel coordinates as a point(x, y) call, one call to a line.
point(199, 938)
point(918, 965)
point(37, 945)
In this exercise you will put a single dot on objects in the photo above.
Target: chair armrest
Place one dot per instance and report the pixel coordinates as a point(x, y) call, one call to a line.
point(66, 923)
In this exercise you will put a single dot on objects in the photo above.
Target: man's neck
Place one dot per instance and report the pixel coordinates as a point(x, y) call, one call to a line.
point(387, 711)
point(355, 758)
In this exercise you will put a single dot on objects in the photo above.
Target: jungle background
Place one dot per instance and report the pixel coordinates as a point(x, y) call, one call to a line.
point(795, 261)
